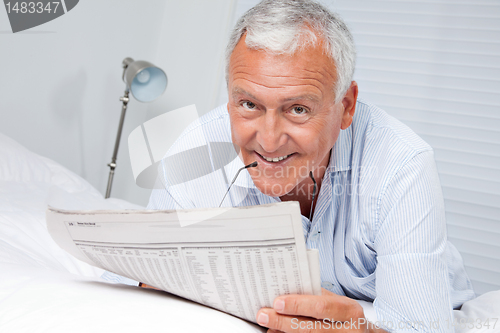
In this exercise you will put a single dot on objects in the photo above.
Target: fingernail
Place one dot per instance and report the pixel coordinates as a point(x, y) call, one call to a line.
point(279, 305)
point(263, 318)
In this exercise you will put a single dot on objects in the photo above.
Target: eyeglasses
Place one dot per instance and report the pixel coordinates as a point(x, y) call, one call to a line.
point(253, 165)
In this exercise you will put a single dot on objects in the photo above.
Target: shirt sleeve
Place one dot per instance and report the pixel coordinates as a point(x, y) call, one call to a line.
point(115, 278)
point(412, 276)
point(161, 198)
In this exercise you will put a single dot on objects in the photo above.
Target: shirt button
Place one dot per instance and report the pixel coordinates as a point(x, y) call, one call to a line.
point(327, 285)
point(315, 236)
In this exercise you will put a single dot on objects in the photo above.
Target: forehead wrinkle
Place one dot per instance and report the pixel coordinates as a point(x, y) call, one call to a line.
point(330, 75)
point(240, 65)
point(288, 85)
point(277, 87)
point(296, 78)
point(312, 97)
point(319, 79)
point(240, 71)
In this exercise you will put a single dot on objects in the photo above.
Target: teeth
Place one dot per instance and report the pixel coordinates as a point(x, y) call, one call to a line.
point(275, 159)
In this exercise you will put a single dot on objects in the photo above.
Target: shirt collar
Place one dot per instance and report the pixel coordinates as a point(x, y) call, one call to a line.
point(340, 157)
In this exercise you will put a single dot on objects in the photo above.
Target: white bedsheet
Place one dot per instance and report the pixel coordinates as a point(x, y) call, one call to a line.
point(43, 289)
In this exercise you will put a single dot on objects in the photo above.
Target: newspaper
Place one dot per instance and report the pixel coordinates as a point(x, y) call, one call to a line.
point(236, 260)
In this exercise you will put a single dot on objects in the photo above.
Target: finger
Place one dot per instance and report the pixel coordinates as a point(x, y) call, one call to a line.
point(329, 306)
point(284, 323)
point(326, 292)
point(297, 324)
point(147, 286)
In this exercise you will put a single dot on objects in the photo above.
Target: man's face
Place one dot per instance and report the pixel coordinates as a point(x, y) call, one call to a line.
point(282, 107)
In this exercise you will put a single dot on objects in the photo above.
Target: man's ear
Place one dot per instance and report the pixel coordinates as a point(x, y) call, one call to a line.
point(349, 103)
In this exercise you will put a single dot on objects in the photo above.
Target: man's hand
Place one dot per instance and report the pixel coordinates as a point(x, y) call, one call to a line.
point(308, 313)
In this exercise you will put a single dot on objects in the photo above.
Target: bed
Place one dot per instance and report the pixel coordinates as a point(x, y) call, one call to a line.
point(43, 289)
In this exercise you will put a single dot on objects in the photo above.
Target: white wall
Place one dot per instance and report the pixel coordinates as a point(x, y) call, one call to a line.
point(190, 50)
point(60, 82)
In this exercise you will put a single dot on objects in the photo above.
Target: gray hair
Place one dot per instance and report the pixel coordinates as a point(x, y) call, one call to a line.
point(286, 26)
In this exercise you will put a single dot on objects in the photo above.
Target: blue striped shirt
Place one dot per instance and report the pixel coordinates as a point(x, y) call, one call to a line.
point(379, 222)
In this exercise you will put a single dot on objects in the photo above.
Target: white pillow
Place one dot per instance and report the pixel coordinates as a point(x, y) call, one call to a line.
point(19, 164)
point(28, 182)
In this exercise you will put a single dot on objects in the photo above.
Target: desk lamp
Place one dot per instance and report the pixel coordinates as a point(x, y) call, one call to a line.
point(146, 82)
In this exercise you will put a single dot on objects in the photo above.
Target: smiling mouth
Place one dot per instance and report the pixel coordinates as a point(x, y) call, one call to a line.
point(275, 159)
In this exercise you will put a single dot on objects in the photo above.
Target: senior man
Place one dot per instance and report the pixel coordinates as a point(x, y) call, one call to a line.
point(378, 219)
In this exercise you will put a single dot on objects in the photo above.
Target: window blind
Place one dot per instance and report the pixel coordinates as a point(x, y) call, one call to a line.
point(435, 65)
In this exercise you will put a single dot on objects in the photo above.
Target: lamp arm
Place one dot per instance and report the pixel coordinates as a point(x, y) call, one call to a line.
point(112, 164)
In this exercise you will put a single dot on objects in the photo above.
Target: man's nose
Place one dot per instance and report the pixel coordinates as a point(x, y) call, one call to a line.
point(271, 132)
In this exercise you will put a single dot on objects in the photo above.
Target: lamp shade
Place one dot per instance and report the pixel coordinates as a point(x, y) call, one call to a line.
point(145, 81)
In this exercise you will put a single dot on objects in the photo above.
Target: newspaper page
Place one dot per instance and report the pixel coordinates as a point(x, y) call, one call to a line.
point(236, 260)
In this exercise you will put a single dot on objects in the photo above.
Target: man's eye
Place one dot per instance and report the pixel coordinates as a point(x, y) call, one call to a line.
point(248, 105)
point(299, 110)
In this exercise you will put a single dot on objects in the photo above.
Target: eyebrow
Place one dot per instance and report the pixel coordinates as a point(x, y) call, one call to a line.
point(238, 90)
